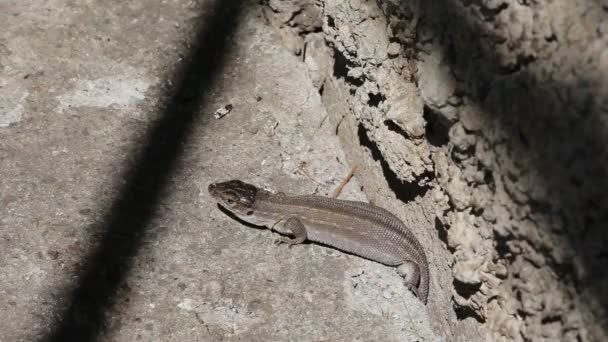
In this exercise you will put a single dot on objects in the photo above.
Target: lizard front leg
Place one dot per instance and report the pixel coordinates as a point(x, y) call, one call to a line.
point(294, 227)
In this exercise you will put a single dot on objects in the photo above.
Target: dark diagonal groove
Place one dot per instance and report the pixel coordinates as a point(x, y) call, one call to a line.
point(404, 191)
point(124, 226)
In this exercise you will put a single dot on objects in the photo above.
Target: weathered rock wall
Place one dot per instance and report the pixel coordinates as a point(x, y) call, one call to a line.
point(486, 122)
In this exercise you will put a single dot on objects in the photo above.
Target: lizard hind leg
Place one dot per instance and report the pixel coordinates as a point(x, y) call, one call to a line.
point(410, 273)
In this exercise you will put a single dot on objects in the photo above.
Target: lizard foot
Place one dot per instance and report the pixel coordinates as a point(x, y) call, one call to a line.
point(413, 289)
point(411, 276)
point(285, 240)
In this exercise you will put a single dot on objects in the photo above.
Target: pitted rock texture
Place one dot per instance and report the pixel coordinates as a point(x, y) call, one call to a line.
point(498, 110)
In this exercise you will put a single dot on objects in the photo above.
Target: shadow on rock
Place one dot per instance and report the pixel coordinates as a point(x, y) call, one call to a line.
point(124, 226)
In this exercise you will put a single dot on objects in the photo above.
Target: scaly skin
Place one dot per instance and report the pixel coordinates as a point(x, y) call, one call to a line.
point(355, 227)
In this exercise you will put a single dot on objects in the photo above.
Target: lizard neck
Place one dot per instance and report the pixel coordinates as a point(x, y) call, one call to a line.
point(269, 208)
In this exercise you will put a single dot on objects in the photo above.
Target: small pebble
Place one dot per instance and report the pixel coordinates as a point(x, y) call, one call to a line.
point(223, 111)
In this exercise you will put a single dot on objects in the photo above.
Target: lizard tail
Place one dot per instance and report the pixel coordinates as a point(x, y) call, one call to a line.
point(423, 288)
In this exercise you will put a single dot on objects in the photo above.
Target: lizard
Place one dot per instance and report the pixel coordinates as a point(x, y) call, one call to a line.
point(354, 227)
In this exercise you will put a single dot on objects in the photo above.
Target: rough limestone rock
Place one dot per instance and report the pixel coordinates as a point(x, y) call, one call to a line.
point(487, 122)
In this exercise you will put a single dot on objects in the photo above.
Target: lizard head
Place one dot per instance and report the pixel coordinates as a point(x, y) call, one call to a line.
point(234, 195)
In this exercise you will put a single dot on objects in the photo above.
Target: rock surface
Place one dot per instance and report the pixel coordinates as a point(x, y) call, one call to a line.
point(91, 93)
point(491, 115)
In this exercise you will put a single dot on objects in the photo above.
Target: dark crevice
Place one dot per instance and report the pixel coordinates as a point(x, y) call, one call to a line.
point(375, 99)
point(437, 128)
point(341, 67)
point(523, 314)
point(331, 22)
point(321, 89)
point(405, 191)
point(466, 290)
point(517, 294)
point(393, 127)
point(551, 319)
point(442, 233)
point(551, 38)
point(304, 32)
point(356, 82)
point(459, 155)
point(464, 312)
point(502, 249)
point(295, 13)
point(488, 179)
point(477, 211)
